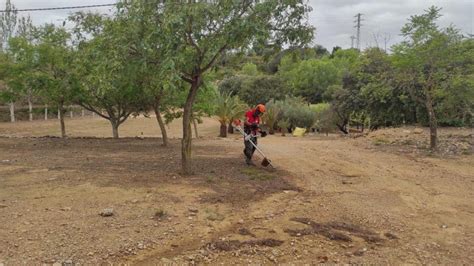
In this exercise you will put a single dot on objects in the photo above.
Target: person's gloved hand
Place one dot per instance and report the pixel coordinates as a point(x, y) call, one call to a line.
point(254, 126)
point(263, 134)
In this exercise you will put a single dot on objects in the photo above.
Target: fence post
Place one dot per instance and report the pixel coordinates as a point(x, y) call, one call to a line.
point(30, 109)
point(46, 112)
point(12, 112)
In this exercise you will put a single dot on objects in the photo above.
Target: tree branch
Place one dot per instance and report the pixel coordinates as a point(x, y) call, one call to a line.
point(212, 61)
point(92, 109)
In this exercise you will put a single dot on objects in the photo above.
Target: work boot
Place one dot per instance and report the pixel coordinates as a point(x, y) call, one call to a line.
point(249, 162)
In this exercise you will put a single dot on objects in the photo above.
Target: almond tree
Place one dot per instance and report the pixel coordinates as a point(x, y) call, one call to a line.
point(8, 22)
point(200, 32)
point(55, 79)
point(428, 61)
point(111, 82)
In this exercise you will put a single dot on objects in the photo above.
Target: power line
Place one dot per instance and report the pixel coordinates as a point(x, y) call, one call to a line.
point(55, 8)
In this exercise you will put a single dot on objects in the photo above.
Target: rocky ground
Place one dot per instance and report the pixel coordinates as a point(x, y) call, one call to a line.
point(380, 198)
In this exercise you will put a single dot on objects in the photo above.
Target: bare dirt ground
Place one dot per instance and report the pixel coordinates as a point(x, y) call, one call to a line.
point(375, 199)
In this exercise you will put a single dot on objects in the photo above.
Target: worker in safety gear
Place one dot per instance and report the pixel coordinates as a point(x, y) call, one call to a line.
point(251, 129)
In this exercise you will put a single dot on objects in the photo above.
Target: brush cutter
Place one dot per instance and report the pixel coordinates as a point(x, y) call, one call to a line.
point(248, 137)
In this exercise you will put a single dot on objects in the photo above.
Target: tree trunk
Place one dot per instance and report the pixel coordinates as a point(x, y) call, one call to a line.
point(12, 112)
point(61, 121)
point(223, 132)
point(343, 127)
point(230, 128)
point(186, 142)
point(46, 112)
point(164, 134)
point(433, 122)
point(115, 126)
point(30, 109)
point(195, 128)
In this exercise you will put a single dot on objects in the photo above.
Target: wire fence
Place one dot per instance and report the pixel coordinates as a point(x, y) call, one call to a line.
point(42, 112)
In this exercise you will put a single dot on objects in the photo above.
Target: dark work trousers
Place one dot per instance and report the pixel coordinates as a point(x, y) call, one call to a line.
point(249, 149)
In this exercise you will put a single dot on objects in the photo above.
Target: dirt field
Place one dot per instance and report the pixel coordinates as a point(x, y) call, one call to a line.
point(373, 199)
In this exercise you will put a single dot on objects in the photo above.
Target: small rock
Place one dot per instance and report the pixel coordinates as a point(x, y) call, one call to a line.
point(323, 259)
point(107, 212)
point(66, 209)
point(141, 246)
point(444, 226)
point(166, 261)
point(134, 201)
point(241, 221)
point(193, 209)
point(90, 254)
point(391, 235)
point(360, 252)
point(68, 262)
point(418, 130)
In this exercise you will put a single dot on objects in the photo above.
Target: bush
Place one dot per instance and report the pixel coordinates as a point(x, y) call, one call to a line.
point(297, 112)
point(250, 69)
point(231, 85)
point(261, 89)
point(270, 118)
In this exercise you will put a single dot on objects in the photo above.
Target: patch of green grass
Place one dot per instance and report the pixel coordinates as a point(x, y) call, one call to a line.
point(213, 215)
point(407, 142)
point(210, 179)
point(257, 174)
point(380, 141)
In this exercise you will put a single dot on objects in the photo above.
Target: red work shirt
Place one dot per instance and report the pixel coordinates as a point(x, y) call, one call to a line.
point(251, 118)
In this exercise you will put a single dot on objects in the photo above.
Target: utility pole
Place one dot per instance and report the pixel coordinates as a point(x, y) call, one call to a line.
point(358, 25)
point(352, 41)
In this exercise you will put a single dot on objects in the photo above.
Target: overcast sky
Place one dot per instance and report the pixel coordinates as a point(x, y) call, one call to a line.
point(333, 19)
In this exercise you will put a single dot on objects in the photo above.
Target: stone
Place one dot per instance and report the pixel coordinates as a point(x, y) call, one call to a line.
point(107, 212)
point(360, 252)
point(66, 209)
point(418, 131)
point(193, 209)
